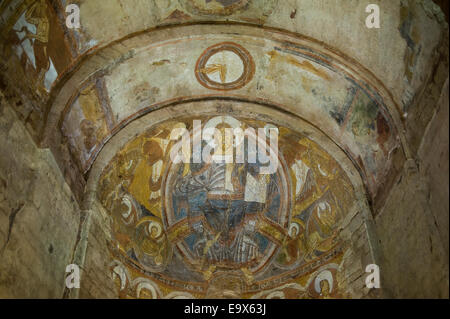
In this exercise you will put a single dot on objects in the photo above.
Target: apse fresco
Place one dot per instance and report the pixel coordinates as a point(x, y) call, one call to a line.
point(225, 230)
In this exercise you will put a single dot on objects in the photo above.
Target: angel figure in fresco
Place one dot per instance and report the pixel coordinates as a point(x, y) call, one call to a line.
point(321, 232)
point(116, 183)
point(308, 239)
point(37, 16)
point(318, 186)
point(136, 222)
point(145, 185)
point(138, 231)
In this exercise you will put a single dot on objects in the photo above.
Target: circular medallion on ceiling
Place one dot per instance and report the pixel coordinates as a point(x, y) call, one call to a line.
point(215, 7)
point(225, 66)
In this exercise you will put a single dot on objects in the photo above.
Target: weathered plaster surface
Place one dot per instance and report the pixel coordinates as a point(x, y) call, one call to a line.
point(39, 217)
point(413, 225)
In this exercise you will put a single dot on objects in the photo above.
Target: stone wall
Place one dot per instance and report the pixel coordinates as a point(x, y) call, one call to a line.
point(359, 235)
point(39, 217)
point(433, 164)
point(96, 281)
point(413, 225)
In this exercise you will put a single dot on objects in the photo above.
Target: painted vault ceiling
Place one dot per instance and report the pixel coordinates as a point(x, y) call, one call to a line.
point(105, 97)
